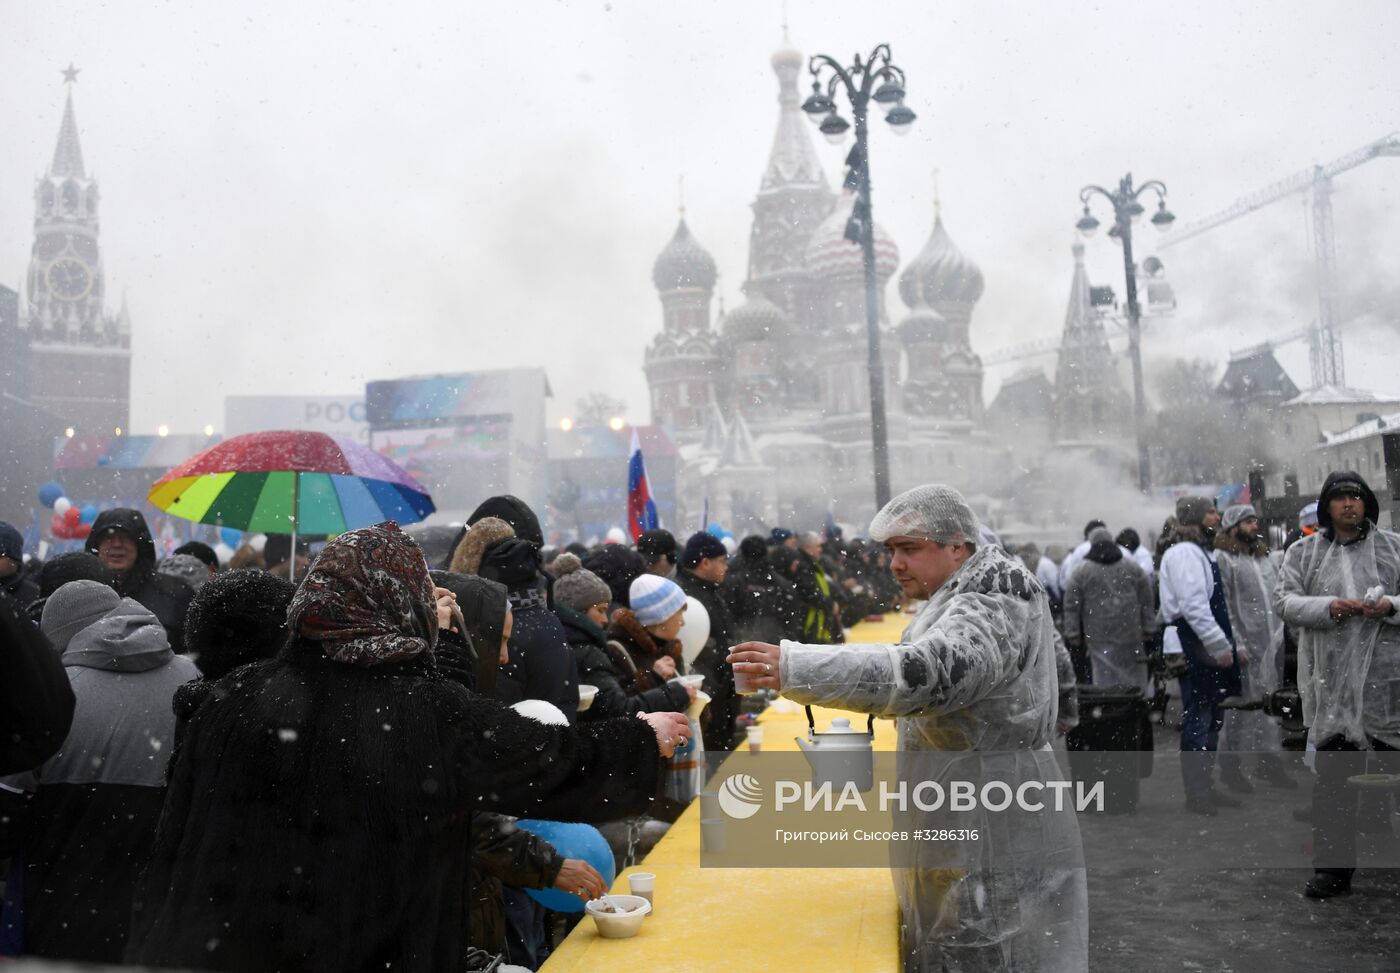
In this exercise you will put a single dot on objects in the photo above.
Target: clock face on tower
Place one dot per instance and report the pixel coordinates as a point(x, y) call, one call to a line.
point(68, 279)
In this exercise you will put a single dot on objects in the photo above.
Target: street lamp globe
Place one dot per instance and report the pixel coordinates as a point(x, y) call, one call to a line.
point(818, 105)
point(901, 119)
point(888, 95)
point(834, 127)
point(1087, 225)
point(1163, 218)
point(1134, 209)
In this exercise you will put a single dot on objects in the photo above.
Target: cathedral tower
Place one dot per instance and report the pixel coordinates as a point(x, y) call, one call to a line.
point(682, 364)
point(1090, 402)
point(80, 355)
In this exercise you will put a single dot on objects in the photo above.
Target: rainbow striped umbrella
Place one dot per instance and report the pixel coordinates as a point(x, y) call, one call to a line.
point(288, 482)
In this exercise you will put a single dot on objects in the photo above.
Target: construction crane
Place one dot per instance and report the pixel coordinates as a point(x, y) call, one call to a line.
point(1325, 347)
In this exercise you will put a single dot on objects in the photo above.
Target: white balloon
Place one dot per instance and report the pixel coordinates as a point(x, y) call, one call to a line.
point(62, 505)
point(696, 630)
point(542, 711)
point(223, 552)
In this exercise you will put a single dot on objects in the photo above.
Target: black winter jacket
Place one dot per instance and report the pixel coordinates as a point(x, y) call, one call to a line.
point(614, 673)
point(318, 813)
point(36, 700)
point(762, 603)
point(167, 598)
point(541, 665)
point(719, 675)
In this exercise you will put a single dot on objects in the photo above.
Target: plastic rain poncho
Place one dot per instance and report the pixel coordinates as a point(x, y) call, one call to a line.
point(1348, 673)
point(1249, 584)
point(974, 676)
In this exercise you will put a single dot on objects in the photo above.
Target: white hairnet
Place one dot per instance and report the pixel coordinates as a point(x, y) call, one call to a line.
point(934, 512)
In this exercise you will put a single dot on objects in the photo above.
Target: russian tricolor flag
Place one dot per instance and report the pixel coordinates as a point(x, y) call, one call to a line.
point(641, 508)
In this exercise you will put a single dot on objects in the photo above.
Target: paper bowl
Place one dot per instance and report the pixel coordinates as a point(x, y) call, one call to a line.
point(697, 705)
point(1376, 782)
point(585, 696)
point(619, 925)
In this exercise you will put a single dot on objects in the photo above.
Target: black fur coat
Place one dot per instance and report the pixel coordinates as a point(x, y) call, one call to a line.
point(317, 815)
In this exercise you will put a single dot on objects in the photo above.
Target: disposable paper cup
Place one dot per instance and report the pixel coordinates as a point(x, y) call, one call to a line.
point(712, 834)
point(743, 682)
point(754, 736)
point(643, 884)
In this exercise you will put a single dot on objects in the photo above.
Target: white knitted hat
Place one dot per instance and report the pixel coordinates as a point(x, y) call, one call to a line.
point(654, 599)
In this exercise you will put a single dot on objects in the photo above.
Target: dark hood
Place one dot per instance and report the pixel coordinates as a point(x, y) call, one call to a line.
point(513, 511)
point(514, 562)
point(1103, 549)
point(133, 524)
point(127, 639)
point(1329, 487)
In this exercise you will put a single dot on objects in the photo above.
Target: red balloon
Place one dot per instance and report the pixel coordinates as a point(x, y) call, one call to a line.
point(82, 531)
point(72, 516)
point(60, 529)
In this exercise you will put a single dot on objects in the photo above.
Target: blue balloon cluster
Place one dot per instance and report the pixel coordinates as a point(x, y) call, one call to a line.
point(49, 493)
point(231, 536)
point(571, 840)
point(88, 514)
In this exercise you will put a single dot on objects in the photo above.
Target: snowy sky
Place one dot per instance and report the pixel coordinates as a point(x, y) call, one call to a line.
point(297, 201)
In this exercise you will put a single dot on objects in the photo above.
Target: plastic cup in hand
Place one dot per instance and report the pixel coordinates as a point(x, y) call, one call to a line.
point(754, 736)
point(643, 884)
point(744, 683)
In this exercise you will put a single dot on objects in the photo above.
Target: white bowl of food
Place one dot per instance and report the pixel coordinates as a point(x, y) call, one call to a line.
point(618, 916)
point(585, 696)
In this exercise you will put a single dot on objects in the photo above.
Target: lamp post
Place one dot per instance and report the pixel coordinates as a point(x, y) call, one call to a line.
point(859, 81)
point(1126, 211)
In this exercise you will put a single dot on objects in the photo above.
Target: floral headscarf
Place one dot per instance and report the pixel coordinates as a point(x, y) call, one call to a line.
point(368, 598)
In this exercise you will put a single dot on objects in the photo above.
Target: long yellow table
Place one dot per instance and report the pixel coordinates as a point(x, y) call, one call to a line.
point(710, 919)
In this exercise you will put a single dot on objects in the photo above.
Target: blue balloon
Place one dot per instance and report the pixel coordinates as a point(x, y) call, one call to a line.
point(88, 514)
point(571, 840)
point(231, 536)
point(715, 530)
point(50, 492)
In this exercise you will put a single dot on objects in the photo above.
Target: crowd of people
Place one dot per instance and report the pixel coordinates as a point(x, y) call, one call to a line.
point(1236, 624)
point(205, 762)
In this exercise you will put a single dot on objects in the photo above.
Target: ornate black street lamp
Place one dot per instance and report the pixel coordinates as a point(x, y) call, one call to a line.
point(1127, 211)
point(860, 81)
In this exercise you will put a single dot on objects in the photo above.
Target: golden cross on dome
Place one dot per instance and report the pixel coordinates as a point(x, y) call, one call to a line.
point(70, 74)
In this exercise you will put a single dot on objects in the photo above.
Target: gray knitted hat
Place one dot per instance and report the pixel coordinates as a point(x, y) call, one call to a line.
point(577, 587)
point(73, 608)
point(1191, 511)
point(1237, 514)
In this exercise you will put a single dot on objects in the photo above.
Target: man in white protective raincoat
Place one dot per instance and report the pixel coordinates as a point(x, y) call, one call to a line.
point(1338, 588)
point(1251, 739)
point(974, 685)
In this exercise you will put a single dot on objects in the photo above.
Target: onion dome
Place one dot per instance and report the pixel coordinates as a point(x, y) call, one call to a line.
point(923, 325)
point(684, 263)
point(757, 319)
point(940, 274)
point(831, 255)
